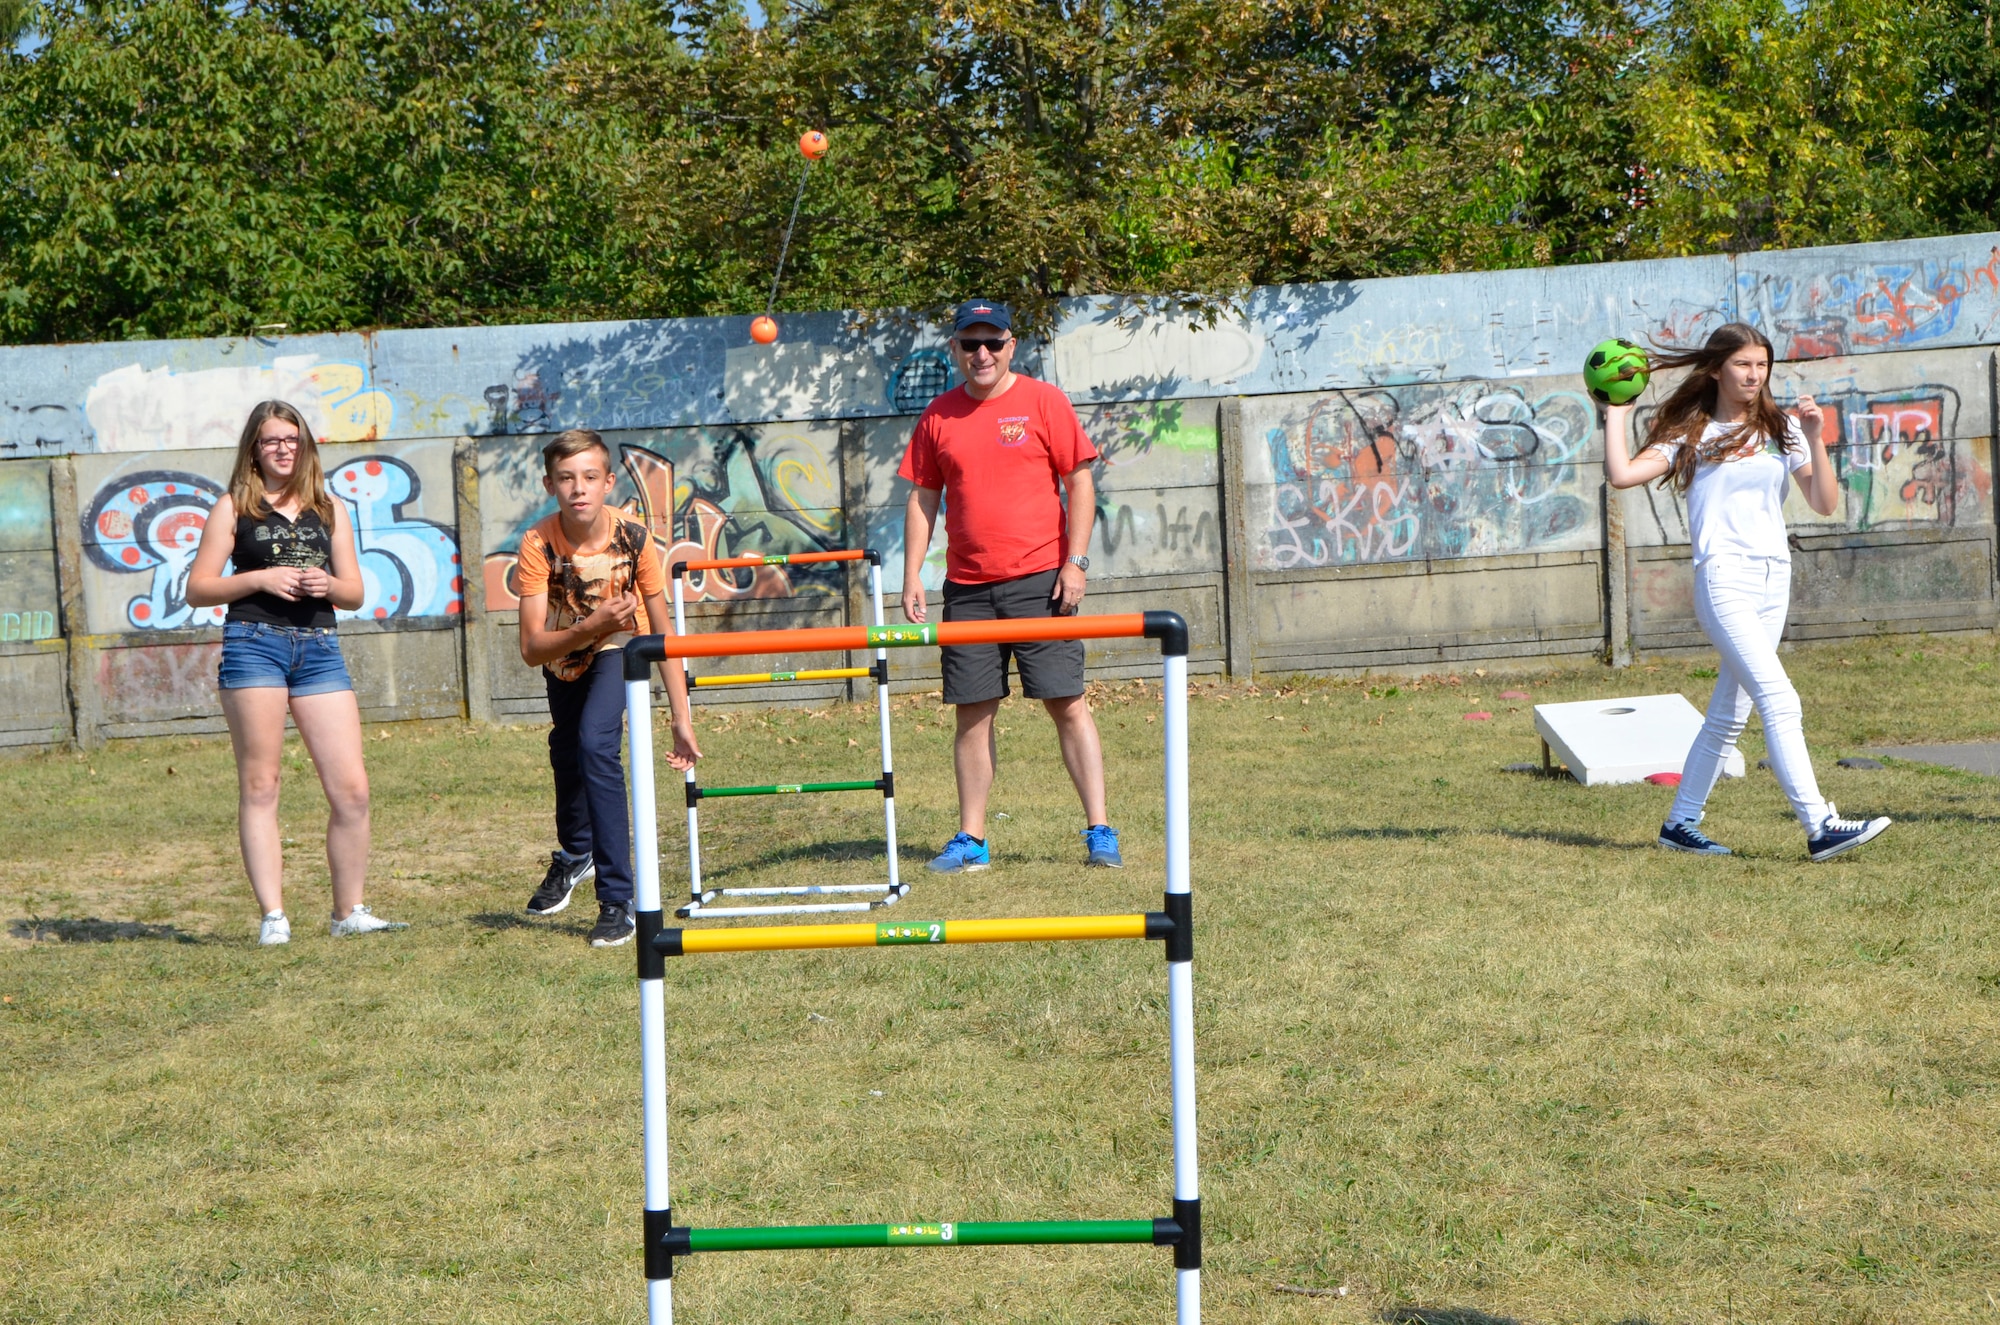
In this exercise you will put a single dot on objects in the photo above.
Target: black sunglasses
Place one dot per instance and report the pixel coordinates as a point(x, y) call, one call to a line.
point(992, 346)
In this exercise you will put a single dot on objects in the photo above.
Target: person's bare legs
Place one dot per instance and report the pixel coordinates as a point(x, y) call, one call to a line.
point(330, 724)
point(974, 755)
point(256, 716)
point(1082, 753)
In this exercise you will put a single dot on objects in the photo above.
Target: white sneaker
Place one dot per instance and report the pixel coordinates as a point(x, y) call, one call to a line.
point(276, 929)
point(362, 921)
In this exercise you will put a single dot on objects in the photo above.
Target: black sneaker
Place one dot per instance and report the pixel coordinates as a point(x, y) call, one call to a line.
point(1838, 836)
point(614, 925)
point(1686, 837)
point(559, 883)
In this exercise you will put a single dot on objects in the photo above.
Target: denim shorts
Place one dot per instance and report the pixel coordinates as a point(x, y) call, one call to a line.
point(303, 661)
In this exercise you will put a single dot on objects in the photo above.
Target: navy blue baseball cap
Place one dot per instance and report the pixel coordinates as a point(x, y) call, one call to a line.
point(974, 311)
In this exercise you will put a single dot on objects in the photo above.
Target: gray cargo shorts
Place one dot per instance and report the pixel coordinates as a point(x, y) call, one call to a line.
point(974, 673)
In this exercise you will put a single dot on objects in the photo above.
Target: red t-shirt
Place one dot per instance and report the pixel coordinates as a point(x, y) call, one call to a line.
point(1001, 464)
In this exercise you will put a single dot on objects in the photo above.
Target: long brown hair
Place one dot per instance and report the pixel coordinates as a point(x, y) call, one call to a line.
point(307, 486)
point(1687, 412)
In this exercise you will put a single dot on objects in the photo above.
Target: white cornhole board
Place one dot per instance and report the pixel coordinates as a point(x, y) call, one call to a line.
point(1624, 740)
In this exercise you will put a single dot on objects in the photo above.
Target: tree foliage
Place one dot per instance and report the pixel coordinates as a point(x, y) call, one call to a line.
point(191, 167)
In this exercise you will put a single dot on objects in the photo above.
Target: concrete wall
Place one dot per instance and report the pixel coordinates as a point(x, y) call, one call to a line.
point(1400, 473)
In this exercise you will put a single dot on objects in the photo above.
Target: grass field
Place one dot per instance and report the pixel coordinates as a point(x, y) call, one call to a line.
point(1466, 1040)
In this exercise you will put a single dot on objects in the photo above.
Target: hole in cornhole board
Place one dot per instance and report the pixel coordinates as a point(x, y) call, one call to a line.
point(1622, 740)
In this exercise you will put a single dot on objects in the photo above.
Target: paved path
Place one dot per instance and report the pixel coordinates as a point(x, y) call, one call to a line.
point(1973, 757)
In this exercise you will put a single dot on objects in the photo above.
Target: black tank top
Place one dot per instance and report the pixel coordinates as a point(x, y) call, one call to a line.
point(271, 540)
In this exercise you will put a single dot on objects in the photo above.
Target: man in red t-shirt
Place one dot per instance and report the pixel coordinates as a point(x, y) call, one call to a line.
point(1013, 458)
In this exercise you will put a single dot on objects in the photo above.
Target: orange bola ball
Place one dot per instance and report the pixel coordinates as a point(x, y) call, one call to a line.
point(813, 144)
point(763, 329)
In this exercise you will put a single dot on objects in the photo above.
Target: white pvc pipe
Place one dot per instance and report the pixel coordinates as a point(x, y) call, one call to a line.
point(1180, 976)
point(693, 816)
point(882, 717)
point(652, 996)
point(1175, 722)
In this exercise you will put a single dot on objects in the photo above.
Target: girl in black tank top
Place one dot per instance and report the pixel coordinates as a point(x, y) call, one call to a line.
point(283, 577)
point(273, 540)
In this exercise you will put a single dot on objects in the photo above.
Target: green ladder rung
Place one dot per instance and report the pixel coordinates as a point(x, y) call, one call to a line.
point(1006, 1234)
point(786, 788)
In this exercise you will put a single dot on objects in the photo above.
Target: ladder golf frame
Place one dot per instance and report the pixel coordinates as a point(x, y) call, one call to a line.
point(701, 899)
point(1174, 927)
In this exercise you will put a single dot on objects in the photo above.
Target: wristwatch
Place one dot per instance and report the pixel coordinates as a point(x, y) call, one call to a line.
point(1081, 563)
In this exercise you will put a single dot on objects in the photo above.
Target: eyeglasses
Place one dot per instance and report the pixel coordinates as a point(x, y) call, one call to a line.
point(972, 344)
point(278, 443)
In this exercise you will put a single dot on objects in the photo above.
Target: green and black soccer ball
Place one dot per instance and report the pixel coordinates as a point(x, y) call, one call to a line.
point(1616, 372)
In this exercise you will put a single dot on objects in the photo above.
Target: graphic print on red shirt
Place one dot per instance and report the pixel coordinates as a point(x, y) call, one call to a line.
point(1000, 464)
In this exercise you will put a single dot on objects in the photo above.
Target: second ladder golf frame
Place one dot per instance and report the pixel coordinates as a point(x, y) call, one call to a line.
point(701, 899)
point(664, 1240)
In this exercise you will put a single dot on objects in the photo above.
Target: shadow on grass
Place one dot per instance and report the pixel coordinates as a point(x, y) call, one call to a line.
point(92, 930)
point(814, 853)
point(1553, 836)
point(499, 921)
point(1389, 833)
point(1404, 1314)
point(1946, 817)
point(1560, 838)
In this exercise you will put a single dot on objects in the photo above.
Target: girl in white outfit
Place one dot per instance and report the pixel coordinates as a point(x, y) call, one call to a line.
point(1722, 440)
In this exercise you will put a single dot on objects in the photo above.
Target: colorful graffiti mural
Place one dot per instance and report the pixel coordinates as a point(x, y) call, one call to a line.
point(135, 408)
point(1428, 472)
point(1897, 451)
point(1891, 305)
point(736, 495)
point(150, 523)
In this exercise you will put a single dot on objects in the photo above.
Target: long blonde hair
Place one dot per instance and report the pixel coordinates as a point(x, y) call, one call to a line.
point(307, 486)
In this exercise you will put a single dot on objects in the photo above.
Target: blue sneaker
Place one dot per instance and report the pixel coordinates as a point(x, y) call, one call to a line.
point(1686, 837)
point(1838, 835)
point(962, 855)
point(1102, 841)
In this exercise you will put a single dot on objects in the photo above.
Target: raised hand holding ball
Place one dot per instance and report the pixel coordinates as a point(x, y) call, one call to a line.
point(1616, 372)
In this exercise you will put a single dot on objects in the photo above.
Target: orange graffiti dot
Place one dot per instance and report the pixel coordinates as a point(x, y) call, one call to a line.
point(381, 612)
point(131, 556)
point(457, 582)
point(140, 611)
point(452, 606)
point(373, 467)
point(138, 495)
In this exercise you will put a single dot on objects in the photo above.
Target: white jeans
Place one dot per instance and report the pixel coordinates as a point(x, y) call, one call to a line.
point(1741, 602)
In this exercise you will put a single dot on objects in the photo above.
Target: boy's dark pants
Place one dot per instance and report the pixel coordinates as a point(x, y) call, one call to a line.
point(584, 750)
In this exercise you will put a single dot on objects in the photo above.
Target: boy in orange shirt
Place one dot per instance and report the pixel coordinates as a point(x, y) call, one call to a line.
point(590, 579)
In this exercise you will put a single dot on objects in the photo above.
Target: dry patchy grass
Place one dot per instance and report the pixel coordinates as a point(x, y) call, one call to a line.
point(1465, 1039)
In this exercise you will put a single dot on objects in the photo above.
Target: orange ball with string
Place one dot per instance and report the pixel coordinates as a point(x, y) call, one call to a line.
point(763, 329)
point(812, 144)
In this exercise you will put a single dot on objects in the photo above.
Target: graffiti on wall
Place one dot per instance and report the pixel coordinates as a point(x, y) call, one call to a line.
point(150, 523)
point(135, 408)
point(1877, 306)
point(736, 497)
point(158, 409)
point(1895, 452)
point(1429, 472)
point(1148, 453)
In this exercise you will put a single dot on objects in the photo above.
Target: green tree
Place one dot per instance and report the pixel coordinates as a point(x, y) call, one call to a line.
point(183, 167)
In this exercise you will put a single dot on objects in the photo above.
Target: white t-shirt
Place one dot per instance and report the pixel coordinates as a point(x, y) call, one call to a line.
point(1737, 506)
